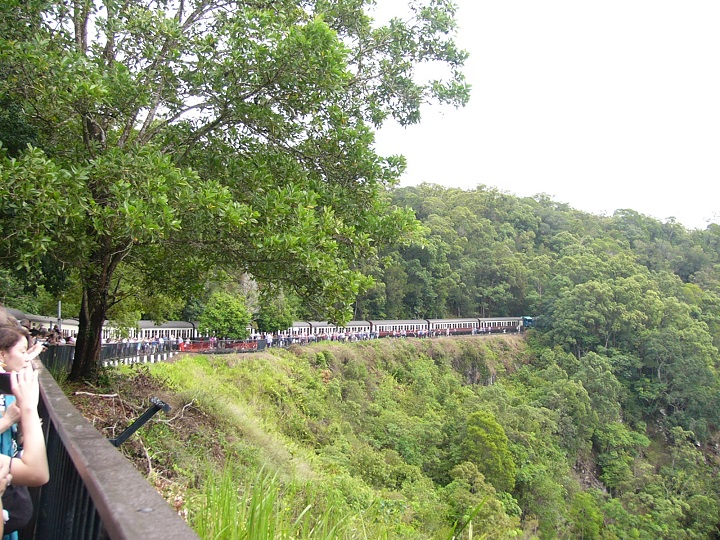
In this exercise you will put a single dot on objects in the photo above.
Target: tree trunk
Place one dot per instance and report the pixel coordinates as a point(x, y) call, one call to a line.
point(86, 365)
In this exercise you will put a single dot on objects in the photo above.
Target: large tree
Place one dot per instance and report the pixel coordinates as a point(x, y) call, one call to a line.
point(176, 137)
point(225, 316)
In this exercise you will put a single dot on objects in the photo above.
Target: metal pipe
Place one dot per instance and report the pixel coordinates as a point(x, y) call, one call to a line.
point(157, 405)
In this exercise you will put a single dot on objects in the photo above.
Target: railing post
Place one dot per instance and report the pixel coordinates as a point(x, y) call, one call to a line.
point(94, 492)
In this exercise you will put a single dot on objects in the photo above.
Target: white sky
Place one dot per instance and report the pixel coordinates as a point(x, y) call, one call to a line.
point(600, 104)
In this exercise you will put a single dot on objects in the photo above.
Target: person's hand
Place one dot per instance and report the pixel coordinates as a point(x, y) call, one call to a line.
point(12, 413)
point(5, 476)
point(25, 388)
point(35, 350)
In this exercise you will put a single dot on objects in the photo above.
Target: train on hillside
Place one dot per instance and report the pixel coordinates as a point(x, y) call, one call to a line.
point(412, 327)
point(307, 329)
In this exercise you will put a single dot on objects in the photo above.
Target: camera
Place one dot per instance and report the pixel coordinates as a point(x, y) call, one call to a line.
point(5, 386)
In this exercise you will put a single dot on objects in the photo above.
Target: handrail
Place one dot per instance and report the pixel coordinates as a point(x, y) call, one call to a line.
point(60, 357)
point(94, 492)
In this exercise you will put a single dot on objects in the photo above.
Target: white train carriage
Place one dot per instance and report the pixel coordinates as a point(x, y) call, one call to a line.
point(325, 328)
point(169, 329)
point(69, 327)
point(407, 327)
point(300, 328)
point(38, 323)
point(356, 327)
point(322, 328)
point(454, 326)
point(501, 324)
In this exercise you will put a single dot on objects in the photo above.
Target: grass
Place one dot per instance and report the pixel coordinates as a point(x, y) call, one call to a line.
point(255, 510)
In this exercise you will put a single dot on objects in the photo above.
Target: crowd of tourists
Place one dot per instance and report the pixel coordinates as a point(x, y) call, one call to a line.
point(47, 336)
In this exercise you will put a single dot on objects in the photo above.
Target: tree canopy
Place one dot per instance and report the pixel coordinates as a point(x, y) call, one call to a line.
point(225, 316)
point(176, 138)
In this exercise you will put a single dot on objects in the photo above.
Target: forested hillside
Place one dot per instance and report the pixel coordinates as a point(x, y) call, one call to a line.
point(605, 426)
point(627, 317)
point(482, 437)
point(640, 295)
point(156, 158)
point(488, 253)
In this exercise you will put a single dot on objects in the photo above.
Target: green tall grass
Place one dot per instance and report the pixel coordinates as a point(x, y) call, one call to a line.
point(260, 510)
point(255, 510)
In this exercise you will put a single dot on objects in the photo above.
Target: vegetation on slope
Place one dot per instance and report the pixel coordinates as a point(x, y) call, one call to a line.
point(413, 439)
point(353, 431)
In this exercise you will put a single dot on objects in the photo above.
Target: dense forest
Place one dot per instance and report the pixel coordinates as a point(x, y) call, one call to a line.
point(601, 422)
point(627, 329)
point(181, 159)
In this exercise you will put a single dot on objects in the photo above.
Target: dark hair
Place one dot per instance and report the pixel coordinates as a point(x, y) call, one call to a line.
point(11, 334)
point(10, 331)
point(6, 319)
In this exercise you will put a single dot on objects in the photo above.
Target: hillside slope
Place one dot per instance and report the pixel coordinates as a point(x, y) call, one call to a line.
point(407, 439)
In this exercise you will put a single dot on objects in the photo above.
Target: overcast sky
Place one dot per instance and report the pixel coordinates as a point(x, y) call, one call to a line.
point(600, 104)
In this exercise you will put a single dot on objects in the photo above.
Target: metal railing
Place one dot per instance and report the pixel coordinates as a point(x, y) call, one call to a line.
point(221, 346)
point(94, 492)
point(60, 357)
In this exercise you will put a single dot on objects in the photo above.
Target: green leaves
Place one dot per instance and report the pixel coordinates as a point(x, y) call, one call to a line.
point(486, 445)
point(206, 136)
point(40, 207)
point(225, 316)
